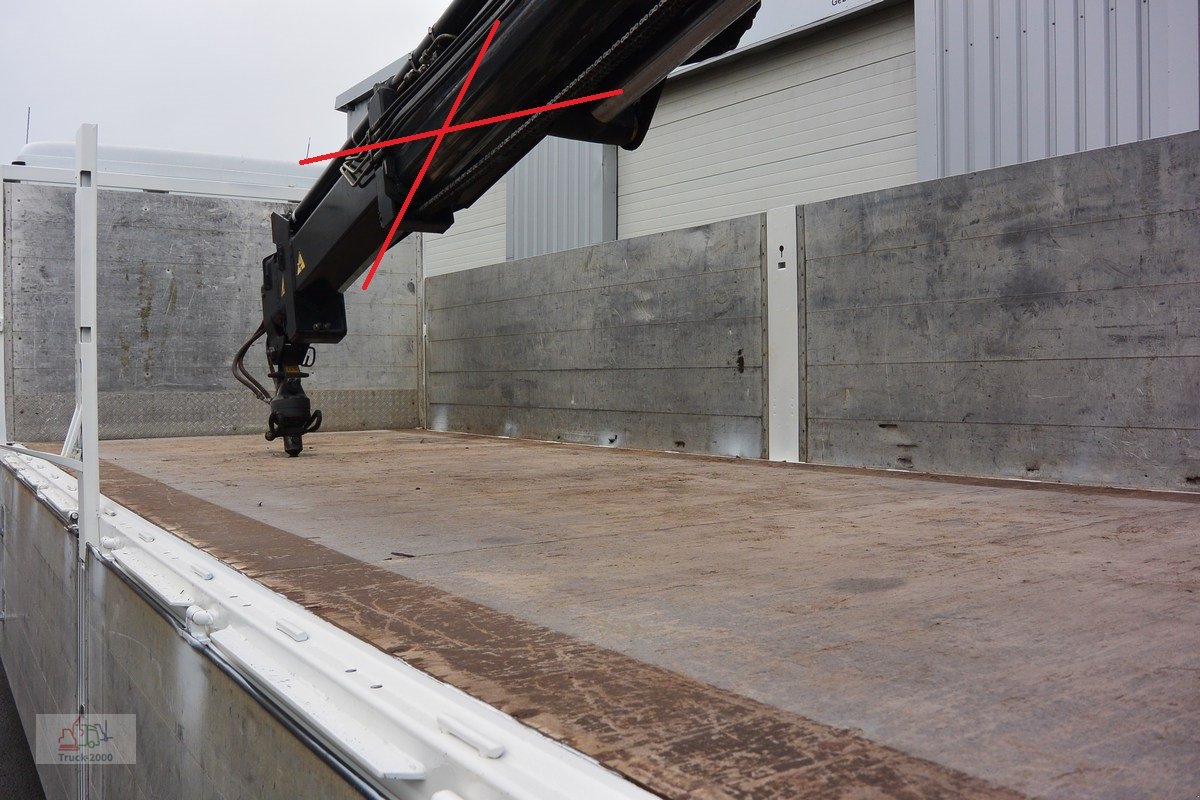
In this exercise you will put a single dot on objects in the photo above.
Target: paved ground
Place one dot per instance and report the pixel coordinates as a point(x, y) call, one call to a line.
point(1045, 640)
point(18, 775)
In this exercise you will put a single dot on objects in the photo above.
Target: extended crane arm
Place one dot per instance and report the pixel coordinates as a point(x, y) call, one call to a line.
point(544, 52)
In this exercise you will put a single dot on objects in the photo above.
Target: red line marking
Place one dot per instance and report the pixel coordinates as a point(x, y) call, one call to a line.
point(440, 134)
point(437, 142)
point(465, 126)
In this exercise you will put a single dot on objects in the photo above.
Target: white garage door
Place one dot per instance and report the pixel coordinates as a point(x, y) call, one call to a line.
point(824, 116)
point(477, 238)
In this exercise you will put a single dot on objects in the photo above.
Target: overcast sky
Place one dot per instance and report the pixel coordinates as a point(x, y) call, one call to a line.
point(236, 77)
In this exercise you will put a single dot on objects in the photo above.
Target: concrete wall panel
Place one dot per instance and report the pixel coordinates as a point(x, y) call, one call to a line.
point(178, 292)
point(1058, 259)
point(675, 345)
point(652, 342)
point(135, 415)
point(1138, 180)
point(740, 437)
point(1034, 321)
point(1072, 454)
point(1038, 321)
point(698, 391)
point(1126, 322)
point(1135, 393)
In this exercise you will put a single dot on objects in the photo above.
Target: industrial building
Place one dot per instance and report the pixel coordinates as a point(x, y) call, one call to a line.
point(876, 95)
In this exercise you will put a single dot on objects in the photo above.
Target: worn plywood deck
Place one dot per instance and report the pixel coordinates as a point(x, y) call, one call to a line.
point(735, 629)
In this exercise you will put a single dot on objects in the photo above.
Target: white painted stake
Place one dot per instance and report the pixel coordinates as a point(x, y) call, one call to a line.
point(86, 404)
point(783, 336)
point(86, 381)
point(3, 371)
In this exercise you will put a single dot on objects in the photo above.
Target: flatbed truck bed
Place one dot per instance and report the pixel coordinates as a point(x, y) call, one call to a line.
point(721, 628)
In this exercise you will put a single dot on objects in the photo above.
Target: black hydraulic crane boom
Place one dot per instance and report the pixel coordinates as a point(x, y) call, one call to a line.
point(543, 52)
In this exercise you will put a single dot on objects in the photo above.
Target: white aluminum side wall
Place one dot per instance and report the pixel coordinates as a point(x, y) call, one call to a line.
point(478, 238)
point(831, 115)
point(1007, 81)
point(198, 734)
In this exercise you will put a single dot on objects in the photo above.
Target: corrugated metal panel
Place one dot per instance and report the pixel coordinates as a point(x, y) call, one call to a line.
point(1006, 81)
point(477, 238)
point(830, 115)
point(561, 196)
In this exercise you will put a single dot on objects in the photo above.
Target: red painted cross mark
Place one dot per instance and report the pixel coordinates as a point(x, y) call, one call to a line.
point(440, 134)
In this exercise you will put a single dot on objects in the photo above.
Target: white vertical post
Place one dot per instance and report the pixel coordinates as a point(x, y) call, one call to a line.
point(783, 335)
point(422, 336)
point(86, 406)
point(3, 358)
point(86, 382)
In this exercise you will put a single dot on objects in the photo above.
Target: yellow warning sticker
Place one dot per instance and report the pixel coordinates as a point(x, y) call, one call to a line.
point(300, 264)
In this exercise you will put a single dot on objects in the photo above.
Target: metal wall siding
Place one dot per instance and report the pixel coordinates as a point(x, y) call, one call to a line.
point(1017, 80)
point(839, 49)
point(1174, 98)
point(477, 238)
point(1036, 68)
point(560, 197)
point(982, 105)
point(1008, 53)
point(1066, 79)
point(835, 115)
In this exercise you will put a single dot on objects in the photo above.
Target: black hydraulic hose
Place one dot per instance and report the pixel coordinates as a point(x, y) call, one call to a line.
point(239, 367)
point(452, 25)
point(456, 17)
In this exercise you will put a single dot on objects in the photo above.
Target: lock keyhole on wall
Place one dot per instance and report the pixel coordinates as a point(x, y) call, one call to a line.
point(782, 262)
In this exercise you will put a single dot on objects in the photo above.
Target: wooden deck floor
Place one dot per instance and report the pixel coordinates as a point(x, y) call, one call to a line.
point(799, 631)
